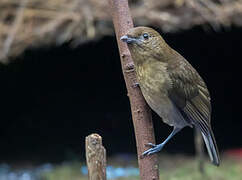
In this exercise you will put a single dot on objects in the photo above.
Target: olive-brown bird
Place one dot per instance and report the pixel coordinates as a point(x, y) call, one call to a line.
point(171, 87)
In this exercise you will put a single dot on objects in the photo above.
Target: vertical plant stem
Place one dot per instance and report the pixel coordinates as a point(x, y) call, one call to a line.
point(199, 147)
point(141, 114)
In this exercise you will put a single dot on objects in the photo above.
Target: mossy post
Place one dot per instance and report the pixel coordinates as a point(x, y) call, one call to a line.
point(199, 148)
point(95, 157)
point(141, 114)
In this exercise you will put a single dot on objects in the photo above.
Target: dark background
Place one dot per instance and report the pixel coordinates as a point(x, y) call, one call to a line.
point(52, 97)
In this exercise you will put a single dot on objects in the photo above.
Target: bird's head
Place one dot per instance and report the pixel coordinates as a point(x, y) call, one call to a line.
point(144, 41)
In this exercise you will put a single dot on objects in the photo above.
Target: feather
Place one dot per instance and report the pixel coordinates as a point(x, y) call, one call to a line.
point(191, 96)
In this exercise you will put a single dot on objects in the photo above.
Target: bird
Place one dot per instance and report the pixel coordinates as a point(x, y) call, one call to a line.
point(171, 87)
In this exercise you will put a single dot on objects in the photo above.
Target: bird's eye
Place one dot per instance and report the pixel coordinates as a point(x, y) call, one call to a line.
point(146, 36)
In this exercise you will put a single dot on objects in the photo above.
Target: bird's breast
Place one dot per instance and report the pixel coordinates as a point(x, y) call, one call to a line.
point(153, 77)
point(154, 83)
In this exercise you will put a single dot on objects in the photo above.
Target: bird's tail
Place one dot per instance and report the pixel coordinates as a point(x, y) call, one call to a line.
point(211, 147)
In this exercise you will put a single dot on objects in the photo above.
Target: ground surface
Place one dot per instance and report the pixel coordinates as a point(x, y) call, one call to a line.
point(171, 168)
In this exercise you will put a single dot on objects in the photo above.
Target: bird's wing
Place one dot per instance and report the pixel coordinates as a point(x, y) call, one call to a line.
point(189, 93)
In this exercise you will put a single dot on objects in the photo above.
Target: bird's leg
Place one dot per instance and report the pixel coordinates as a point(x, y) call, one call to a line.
point(156, 148)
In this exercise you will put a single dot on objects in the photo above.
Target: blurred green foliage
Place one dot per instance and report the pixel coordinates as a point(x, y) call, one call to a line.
point(171, 168)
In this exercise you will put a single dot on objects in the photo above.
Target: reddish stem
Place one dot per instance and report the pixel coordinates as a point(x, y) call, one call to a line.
point(143, 125)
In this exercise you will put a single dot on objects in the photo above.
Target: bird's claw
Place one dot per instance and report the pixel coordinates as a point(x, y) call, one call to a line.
point(154, 149)
point(150, 145)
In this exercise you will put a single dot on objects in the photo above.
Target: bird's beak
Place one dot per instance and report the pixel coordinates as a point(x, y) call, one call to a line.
point(128, 39)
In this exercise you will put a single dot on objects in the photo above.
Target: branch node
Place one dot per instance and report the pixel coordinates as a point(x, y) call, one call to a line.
point(129, 67)
point(123, 55)
point(138, 110)
point(135, 85)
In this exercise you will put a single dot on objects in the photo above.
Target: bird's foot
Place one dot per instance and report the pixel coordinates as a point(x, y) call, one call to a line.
point(154, 149)
point(150, 145)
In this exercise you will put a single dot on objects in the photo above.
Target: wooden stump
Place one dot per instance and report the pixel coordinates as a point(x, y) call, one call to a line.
point(199, 148)
point(95, 157)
